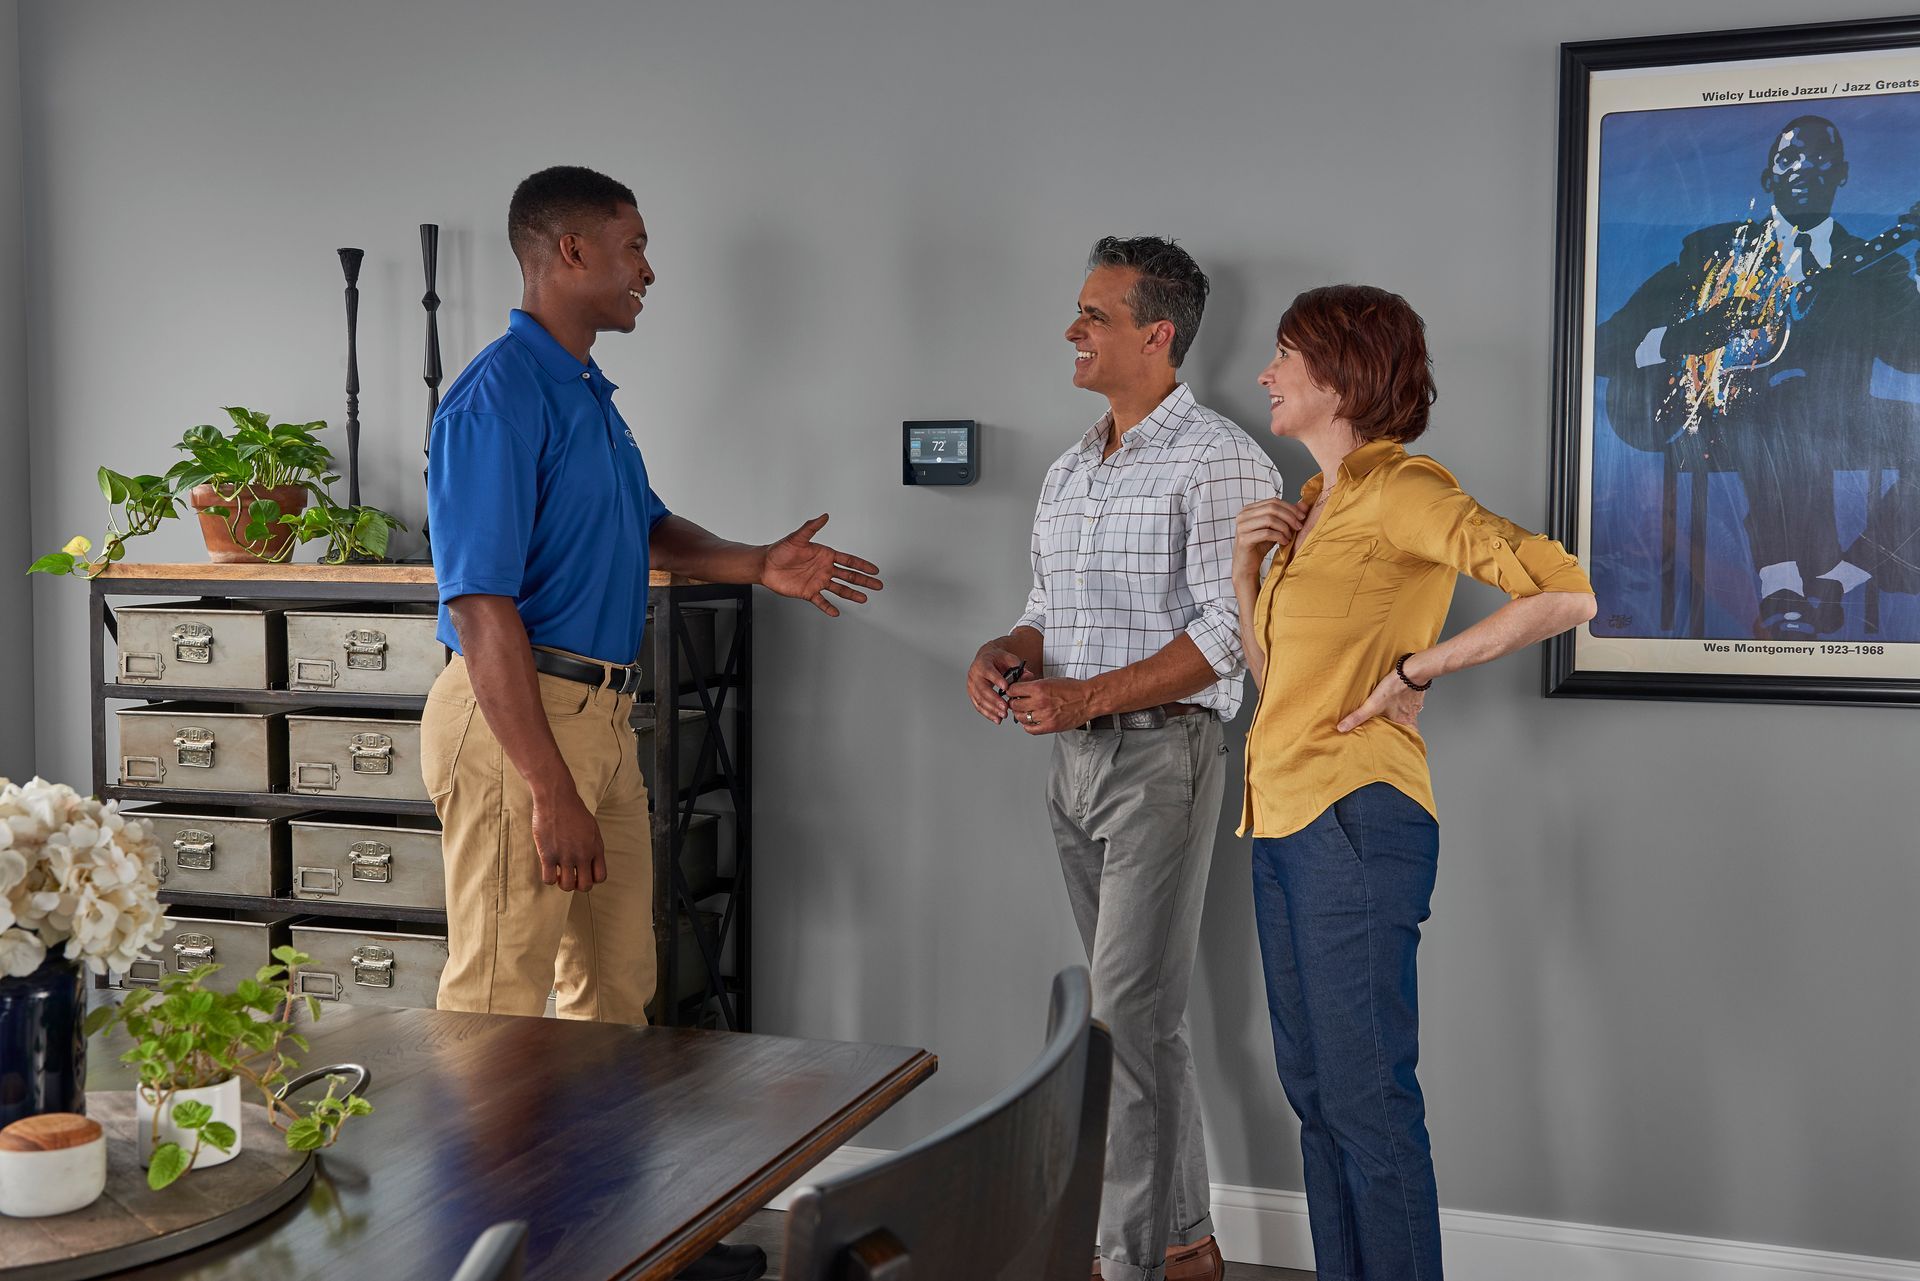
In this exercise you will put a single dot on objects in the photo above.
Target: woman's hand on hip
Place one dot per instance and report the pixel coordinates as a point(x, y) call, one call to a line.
point(1392, 698)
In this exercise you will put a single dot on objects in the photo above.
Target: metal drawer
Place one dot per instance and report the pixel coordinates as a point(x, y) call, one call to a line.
point(691, 732)
point(219, 851)
point(209, 747)
point(373, 754)
point(204, 645)
point(371, 967)
point(392, 862)
point(238, 942)
point(364, 651)
point(700, 628)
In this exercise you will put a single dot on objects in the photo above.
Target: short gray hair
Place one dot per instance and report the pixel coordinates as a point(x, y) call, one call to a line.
point(1171, 286)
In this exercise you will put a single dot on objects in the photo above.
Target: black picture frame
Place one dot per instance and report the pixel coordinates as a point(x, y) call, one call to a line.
point(1652, 668)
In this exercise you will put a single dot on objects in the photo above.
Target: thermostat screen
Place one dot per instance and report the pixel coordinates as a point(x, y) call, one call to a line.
point(937, 445)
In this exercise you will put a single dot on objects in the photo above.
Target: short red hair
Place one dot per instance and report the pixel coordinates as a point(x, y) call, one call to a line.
point(1369, 347)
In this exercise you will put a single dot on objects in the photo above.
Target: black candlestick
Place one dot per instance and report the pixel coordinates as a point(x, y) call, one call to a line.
point(350, 266)
point(430, 257)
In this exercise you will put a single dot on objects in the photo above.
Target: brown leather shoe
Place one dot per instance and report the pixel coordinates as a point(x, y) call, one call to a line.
point(1200, 1261)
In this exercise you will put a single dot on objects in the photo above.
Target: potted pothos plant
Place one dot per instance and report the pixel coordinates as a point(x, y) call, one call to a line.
point(259, 489)
point(196, 1050)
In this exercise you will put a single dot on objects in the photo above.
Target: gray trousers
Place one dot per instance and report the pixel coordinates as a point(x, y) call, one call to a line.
point(1134, 814)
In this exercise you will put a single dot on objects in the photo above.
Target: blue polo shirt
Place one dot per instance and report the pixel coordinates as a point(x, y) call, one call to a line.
point(536, 490)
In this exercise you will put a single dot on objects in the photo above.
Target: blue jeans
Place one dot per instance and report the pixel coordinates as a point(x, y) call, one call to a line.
point(1339, 906)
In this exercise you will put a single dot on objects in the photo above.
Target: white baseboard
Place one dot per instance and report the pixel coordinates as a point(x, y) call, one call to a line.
point(1267, 1226)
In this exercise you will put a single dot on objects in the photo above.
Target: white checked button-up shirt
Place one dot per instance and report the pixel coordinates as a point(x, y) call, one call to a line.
point(1131, 551)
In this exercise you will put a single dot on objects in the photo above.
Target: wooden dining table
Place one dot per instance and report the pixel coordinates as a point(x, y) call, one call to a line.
point(629, 1151)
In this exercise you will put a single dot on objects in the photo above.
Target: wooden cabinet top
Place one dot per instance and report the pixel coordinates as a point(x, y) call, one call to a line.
point(308, 572)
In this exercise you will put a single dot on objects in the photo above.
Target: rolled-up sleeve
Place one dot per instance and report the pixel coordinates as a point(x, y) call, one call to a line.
point(1034, 614)
point(482, 489)
point(1425, 513)
point(1234, 474)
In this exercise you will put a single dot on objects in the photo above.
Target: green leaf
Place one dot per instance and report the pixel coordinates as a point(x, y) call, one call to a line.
point(357, 1106)
point(218, 1134)
point(53, 563)
point(306, 1134)
point(190, 1114)
point(291, 956)
point(113, 485)
point(169, 1162)
point(313, 1008)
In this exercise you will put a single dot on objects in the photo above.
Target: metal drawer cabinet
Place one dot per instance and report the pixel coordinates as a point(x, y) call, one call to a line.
point(396, 966)
point(385, 862)
point(364, 651)
point(209, 747)
point(372, 754)
point(238, 942)
point(204, 645)
point(223, 850)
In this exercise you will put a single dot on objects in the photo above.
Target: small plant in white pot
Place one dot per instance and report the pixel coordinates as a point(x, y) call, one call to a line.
point(196, 1049)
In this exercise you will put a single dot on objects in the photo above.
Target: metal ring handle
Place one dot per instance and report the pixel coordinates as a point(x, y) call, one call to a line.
point(322, 1073)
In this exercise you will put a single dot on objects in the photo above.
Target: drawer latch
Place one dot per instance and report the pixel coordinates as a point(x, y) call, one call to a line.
point(370, 861)
point(373, 966)
point(193, 850)
point(192, 950)
point(372, 753)
point(193, 643)
point(366, 650)
point(195, 747)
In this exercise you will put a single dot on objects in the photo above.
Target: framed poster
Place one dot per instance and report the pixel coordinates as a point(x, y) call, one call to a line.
point(1737, 364)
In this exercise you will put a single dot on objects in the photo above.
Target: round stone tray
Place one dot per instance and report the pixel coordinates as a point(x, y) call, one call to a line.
point(131, 1224)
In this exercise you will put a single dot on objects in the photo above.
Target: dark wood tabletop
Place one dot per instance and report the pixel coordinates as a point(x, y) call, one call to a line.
point(630, 1151)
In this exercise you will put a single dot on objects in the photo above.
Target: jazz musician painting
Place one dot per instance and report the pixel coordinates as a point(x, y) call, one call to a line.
point(1762, 350)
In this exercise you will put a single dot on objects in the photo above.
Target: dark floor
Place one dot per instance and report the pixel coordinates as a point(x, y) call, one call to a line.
point(765, 1228)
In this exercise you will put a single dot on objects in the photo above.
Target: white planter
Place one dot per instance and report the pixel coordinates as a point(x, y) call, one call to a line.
point(36, 1184)
point(223, 1098)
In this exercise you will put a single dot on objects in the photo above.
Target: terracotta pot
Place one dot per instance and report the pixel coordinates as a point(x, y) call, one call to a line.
point(225, 535)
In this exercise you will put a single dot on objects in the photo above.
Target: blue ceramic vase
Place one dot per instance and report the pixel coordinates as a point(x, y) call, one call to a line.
point(43, 1043)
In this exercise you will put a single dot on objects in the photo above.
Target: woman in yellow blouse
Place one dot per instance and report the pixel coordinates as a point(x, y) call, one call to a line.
point(1341, 637)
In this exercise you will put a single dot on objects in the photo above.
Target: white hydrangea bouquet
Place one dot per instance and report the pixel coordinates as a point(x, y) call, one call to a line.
point(77, 872)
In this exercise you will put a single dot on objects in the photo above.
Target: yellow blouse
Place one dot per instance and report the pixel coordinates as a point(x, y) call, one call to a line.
point(1371, 581)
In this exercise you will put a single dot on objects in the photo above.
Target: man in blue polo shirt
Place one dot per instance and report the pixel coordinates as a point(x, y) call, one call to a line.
point(544, 527)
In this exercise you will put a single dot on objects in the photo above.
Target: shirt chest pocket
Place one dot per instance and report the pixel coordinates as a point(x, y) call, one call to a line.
point(1139, 535)
point(1322, 580)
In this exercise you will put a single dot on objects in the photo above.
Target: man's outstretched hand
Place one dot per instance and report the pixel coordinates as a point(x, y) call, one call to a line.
point(797, 566)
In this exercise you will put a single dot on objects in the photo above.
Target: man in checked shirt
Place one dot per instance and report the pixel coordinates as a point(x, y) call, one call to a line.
point(1132, 660)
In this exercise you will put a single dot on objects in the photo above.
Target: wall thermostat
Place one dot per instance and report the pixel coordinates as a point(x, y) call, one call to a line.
point(941, 453)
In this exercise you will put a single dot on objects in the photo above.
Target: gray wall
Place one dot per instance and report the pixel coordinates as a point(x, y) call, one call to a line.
point(16, 598)
point(1667, 981)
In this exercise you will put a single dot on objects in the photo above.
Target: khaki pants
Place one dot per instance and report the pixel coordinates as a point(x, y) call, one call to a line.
point(511, 938)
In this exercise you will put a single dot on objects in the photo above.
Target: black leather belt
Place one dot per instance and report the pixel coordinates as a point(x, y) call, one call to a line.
point(1145, 718)
point(621, 680)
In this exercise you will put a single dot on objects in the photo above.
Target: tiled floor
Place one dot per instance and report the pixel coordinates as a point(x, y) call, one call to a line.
point(765, 1228)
